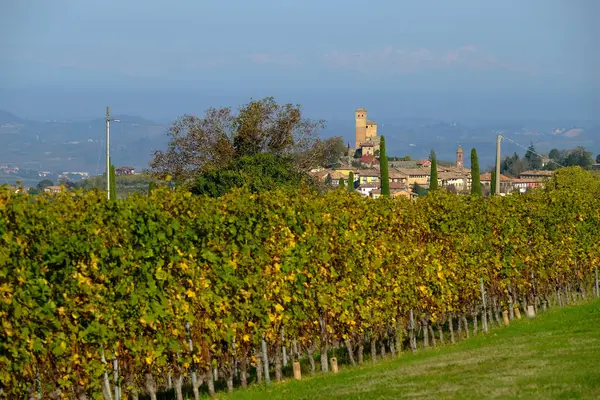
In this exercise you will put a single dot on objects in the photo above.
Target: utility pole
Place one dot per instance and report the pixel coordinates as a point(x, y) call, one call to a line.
point(497, 188)
point(108, 152)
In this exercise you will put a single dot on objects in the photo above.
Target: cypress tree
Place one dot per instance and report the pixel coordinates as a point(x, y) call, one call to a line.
point(383, 169)
point(475, 175)
point(493, 183)
point(113, 183)
point(341, 183)
point(351, 182)
point(433, 181)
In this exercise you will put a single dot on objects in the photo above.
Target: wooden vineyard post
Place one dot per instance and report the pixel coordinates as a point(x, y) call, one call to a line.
point(597, 287)
point(334, 365)
point(511, 308)
point(530, 312)
point(117, 387)
point(412, 338)
point(484, 324)
point(297, 370)
point(106, 383)
point(265, 361)
point(285, 360)
point(505, 317)
point(517, 312)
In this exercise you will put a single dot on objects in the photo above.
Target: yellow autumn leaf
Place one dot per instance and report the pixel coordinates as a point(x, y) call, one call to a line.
point(246, 338)
point(149, 360)
point(278, 307)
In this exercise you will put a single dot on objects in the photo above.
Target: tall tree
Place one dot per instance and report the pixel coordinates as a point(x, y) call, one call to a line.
point(493, 183)
point(579, 157)
point(44, 183)
point(475, 175)
point(419, 190)
point(432, 155)
point(197, 145)
point(113, 183)
point(383, 169)
point(534, 160)
point(351, 182)
point(433, 180)
point(557, 158)
point(341, 184)
point(555, 155)
point(598, 159)
point(327, 153)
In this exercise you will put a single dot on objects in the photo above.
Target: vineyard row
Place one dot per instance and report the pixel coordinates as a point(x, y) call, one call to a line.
point(149, 290)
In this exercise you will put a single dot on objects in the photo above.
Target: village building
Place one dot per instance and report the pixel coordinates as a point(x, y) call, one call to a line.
point(395, 175)
point(521, 185)
point(125, 171)
point(419, 176)
point(506, 183)
point(447, 179)
point(53, 189)
point(535, 174)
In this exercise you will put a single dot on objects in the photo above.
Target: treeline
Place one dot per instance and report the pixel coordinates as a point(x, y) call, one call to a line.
point(152, 290)
point(532, 160)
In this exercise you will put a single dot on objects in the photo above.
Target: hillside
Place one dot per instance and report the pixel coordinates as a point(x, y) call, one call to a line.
point(78, 145)
point(417, 137)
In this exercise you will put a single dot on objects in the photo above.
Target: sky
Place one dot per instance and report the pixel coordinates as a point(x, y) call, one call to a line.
point(426, 58)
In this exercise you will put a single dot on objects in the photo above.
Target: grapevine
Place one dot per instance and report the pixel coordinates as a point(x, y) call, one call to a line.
point(82, 277)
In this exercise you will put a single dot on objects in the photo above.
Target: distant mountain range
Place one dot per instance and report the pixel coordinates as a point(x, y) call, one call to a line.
point(417, 137)
point(79, 145)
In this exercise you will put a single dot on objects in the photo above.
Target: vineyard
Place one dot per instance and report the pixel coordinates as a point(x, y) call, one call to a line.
point(124, 298)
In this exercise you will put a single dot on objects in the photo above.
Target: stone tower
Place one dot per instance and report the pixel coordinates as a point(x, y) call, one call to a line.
point(459, 158)
point(361, 126)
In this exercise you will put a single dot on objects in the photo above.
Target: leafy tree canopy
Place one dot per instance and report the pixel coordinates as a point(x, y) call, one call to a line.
point(419, 190)
point(219, 139)
point(534, 159)
point(257, 173)
point(45, 183)
point(577, 157)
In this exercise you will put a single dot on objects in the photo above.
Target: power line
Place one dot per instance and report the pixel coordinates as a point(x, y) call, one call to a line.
point(531, 151)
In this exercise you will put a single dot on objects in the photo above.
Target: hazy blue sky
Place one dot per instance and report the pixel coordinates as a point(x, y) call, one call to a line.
point(420, 57)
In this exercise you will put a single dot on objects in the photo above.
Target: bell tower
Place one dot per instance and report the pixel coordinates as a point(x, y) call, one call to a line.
point(459, 158)
point(361, 126)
